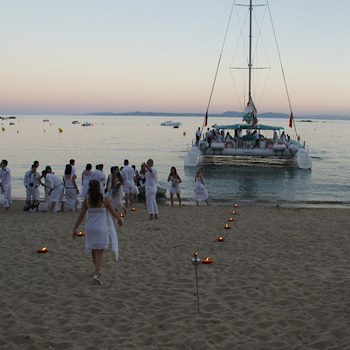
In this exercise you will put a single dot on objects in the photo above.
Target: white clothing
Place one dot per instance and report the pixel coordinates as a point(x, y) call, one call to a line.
point(31, 183)
point(116, 198)
point(5, 179)
point(86, 180)
point(128, 174)
point(56, 186)
point(151, 187)
point(175, 187)
point(100, 177)
point(200, 190)
point(72, 198)
point(99, 224)
point(74, 171)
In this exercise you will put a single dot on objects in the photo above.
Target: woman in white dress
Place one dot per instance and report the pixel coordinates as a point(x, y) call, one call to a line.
point(71, 190)
point(116, 193)
point(98, 226)
point(175, 187)
point(199, 187)
point(85, 178)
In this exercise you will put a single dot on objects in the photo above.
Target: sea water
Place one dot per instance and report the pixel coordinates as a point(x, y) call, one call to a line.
point(111, 139)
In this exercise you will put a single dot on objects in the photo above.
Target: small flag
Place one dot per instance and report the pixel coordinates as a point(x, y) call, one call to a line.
point(291, 120)
point(206, 119)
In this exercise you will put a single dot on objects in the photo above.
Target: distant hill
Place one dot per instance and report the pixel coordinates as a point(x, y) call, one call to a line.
point(229, 114)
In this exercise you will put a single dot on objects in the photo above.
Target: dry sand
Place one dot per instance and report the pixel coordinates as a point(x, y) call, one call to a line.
point(281, 280)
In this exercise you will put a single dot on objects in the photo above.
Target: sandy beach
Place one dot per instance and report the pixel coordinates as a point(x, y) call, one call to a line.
point(280, 280)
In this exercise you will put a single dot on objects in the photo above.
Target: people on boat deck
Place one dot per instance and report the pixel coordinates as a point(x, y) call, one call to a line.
point(209, 135)
point(31, 183)
point(228, 137)
point(175, 187)
point(5, 184)
point(198, 134)
point(256, 138)
point(275, 137)
point(283, 137)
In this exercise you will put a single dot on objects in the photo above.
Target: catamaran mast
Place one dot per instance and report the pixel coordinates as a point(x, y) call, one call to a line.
point(250, 50)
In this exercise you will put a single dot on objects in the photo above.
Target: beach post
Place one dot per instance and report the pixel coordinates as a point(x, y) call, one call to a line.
point(195, 262)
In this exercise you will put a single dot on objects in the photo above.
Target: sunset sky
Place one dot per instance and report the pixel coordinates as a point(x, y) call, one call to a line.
point(81, 56)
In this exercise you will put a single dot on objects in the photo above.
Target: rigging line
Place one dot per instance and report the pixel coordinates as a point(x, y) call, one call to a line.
point(217, 68)
point(284, 77)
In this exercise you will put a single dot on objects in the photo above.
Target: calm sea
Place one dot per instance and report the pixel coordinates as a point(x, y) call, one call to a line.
point(111, 139)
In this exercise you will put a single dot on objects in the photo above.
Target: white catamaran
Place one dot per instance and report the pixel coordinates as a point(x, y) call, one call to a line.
point(249, 138)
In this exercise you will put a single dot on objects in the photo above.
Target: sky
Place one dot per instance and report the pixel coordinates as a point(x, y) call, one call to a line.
point(82, 56)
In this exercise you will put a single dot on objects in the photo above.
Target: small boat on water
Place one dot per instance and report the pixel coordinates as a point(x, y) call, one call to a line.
point(249, 138)
point(75, 122)
point(86, 124)
point(171, 123)
point(46, 121)
point(161, 191)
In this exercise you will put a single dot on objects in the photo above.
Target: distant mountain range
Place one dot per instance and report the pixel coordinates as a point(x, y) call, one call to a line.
point(232, 114)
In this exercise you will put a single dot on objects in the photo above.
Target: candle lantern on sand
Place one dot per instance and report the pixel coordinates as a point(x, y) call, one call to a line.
point(43, 250)
point(227, 227)
point(195, 262)
point(207, 261)
point(80, 234)
point(220, 239)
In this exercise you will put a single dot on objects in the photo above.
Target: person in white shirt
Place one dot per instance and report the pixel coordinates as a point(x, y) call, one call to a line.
point(151, 187)
point(5, 183)
point(31, 183)
point(198, 135)
point(128, 174)
point(72, 164)
point(56, 189)
point(100, 176)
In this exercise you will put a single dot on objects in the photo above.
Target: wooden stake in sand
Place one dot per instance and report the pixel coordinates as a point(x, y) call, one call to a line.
point(196, 261)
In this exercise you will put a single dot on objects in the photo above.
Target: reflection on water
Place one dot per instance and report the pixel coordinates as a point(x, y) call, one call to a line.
point(254, 180)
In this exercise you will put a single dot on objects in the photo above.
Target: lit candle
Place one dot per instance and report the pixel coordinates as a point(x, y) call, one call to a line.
point(207, 261)
point(133, 209)
point(121, 215)
point(233, 212)
point(43, 250)
point(80, 233)
point(227, 227)
point(231, 219)
point(236, 205)
point(220, 239)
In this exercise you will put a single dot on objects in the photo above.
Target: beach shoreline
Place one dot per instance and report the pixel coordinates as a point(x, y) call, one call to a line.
point(280, 280)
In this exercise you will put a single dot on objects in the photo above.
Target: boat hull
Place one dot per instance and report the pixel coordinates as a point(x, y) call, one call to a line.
point(161, 191)
point(264, 150)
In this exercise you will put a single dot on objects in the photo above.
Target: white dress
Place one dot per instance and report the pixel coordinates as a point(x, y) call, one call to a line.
point(71, 195)
point(99, 225)
point(200, 190)
point(84, 190)
point(116, 198)
point(175, 187)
